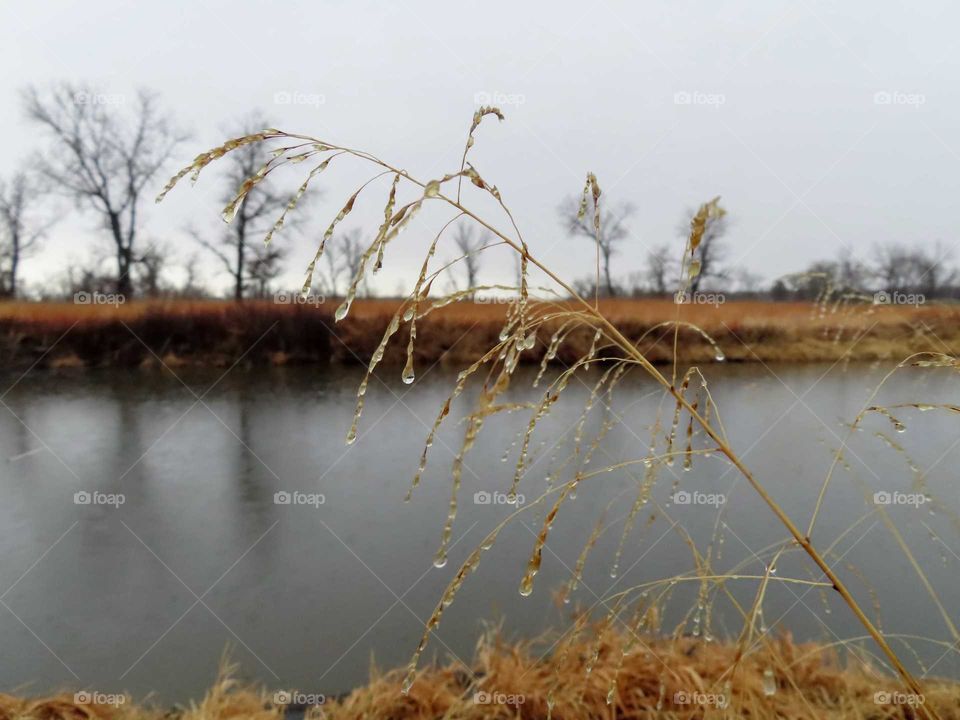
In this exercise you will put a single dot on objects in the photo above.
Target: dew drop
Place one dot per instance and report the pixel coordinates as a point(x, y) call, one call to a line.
point(526, 587)
point(407, 683)
point(351, 437)
point(769, 683)
point(440, 561)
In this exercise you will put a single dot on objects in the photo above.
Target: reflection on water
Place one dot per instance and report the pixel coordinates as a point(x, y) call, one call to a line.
point(245, 519)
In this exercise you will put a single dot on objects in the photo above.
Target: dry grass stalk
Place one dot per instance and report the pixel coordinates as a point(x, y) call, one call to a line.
point(528, 321)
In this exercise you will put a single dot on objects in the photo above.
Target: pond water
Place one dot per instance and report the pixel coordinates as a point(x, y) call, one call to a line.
point(186, 548)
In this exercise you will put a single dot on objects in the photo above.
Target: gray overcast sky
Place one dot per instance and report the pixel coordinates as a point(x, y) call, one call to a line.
point(784, 119)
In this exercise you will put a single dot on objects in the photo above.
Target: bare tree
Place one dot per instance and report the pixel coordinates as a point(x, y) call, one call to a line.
point(613, 230)
point(328, 273)
point(851, 273)
point(104, 157)
point(192, 286)
point(351, 250)
point(150, 268)
point(711, 251)
point(20, 230)
point(469, 243)
point(818, 280)
point(88, 275)
point(239, 247)
point(341, 261)
point(263, 269)
point(659, 261)
point(892, 266)
point(933, 274)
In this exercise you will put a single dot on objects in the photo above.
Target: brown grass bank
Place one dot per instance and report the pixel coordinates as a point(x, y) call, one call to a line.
point(658, 678)
point(265, 332)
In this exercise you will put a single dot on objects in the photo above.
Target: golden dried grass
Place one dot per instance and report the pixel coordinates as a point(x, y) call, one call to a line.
point(213, 331)
point(811, 683)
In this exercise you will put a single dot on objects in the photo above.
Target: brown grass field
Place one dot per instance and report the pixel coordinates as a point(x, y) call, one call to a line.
point(682, 678)
point(263, 332)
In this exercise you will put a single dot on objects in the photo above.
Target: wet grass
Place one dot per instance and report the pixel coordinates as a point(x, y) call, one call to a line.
point(622, 660)
point(657, 678)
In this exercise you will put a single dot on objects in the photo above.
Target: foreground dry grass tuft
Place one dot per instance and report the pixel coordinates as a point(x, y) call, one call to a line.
point(264, 332)
point(662, 678)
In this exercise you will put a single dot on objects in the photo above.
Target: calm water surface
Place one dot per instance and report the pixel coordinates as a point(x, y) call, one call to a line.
point(145, 596)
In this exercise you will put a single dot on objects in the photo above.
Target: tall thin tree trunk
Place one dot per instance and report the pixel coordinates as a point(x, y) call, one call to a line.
point(14, 263)
point(241, 251)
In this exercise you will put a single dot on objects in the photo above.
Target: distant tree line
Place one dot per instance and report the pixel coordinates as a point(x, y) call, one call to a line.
point(106, 157)
point(891, 267)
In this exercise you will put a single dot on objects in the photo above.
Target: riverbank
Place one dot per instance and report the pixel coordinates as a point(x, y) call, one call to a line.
point(221, 333)
point(658, 678)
